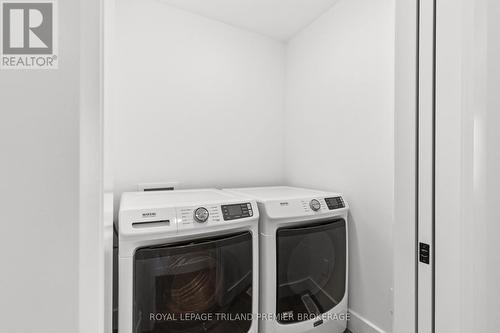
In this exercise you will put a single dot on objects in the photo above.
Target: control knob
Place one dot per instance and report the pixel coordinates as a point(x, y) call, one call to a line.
point(201, 215)
point(315, 205)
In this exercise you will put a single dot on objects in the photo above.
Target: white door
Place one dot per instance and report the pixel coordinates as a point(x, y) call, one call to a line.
point(468, 166)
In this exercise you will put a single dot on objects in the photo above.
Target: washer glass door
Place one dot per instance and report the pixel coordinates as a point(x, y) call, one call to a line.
point(311, 268)
point(201, 286)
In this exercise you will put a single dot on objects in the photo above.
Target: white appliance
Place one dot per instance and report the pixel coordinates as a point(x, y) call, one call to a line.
point(303, 258)
point(188, 262)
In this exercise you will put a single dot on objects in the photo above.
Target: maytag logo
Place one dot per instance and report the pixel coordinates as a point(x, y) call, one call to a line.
point(149, 214)
point(284, 204)
point(29, 35)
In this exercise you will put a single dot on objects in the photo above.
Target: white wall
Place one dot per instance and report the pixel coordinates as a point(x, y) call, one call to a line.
point(39, 189)
point(340, 136)
point(199, 102)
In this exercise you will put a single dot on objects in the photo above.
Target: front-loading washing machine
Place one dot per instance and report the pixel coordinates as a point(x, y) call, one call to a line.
point(303, 258)
point(188, 262)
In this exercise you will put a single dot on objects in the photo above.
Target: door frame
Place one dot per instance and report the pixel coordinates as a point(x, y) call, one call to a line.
point(415, 106)
point(405, 179)
point(91, 299)
point(406, 166)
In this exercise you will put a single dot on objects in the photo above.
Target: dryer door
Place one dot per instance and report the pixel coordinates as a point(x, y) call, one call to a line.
point(201, 286)
point(311, 268)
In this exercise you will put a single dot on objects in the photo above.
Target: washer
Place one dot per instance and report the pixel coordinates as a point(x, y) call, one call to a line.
point(303, 257)
point(188, 262)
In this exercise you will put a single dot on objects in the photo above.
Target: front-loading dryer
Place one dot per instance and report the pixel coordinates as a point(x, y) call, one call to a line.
point(303, 258)
point(188, 262)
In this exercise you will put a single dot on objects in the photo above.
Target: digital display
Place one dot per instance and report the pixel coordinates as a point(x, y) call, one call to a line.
point(234, 210)
point(334, 203)
point(238, 211)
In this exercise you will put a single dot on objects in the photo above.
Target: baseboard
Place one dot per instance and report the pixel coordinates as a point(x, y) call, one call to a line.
point(358, 324)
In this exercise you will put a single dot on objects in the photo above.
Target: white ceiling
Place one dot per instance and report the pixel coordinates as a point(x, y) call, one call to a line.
point(280, 19)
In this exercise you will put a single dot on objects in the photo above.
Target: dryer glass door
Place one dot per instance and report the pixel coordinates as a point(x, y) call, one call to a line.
point(201, 286)
point(311, 266)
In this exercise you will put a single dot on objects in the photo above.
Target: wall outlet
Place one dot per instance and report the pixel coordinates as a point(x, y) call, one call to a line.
point(149, 187)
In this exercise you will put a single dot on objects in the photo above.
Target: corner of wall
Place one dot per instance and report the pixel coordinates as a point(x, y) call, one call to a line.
point(359, 324)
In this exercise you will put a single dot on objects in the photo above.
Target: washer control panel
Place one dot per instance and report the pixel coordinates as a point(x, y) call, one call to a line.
point(237, 211)
point(335, 203)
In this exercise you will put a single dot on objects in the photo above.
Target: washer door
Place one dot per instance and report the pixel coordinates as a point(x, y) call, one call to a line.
point(311, 268)
point(202, 286)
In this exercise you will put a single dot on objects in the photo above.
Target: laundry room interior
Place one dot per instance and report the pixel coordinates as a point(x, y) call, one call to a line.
point(231, 94)
point(250, 166)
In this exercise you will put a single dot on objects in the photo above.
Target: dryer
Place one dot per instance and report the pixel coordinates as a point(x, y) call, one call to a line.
point(188, 262)
point(303, 258)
